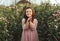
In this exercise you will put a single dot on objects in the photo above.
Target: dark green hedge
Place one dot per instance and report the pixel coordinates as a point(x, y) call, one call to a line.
point(48, 24)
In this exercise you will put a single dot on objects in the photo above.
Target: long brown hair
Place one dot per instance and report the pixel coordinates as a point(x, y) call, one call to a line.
point(33, 14)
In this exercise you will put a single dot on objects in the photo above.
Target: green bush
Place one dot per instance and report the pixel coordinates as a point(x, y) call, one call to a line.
point(48, 24)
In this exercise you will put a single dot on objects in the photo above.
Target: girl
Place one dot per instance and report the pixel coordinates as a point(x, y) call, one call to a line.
point(29, 24)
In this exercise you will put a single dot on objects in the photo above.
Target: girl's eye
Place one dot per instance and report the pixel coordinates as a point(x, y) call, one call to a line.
point(30, 11)
point(26, 11)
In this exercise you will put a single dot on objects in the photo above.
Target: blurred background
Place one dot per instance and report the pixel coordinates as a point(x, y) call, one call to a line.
point(47, 14)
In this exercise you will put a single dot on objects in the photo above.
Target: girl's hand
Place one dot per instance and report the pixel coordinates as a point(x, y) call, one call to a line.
point(29, 19)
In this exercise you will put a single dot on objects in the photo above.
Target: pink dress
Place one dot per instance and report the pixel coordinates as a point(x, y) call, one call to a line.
point(29, 35)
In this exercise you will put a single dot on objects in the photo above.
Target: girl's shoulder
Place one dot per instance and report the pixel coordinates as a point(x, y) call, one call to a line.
point(35, 20)
point(23, 19)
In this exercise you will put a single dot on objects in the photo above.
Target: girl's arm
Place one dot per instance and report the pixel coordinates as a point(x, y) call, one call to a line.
point(24, 25)
point(34, 24)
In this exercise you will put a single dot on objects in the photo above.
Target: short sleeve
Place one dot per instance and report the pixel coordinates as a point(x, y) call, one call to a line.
point(23, 24)
point(34, 25)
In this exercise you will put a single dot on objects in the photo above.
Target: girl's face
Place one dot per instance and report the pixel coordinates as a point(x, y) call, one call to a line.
point(29, 12)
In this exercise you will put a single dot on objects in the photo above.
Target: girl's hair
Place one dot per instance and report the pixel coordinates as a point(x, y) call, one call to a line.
point(33, 14)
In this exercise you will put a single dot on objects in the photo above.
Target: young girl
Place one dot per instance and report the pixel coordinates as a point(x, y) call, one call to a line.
point(29, 25)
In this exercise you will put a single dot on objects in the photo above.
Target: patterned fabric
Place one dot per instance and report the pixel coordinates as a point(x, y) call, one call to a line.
point(28, 34)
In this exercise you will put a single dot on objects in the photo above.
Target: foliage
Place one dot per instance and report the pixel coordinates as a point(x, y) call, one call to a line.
point(48, 22)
